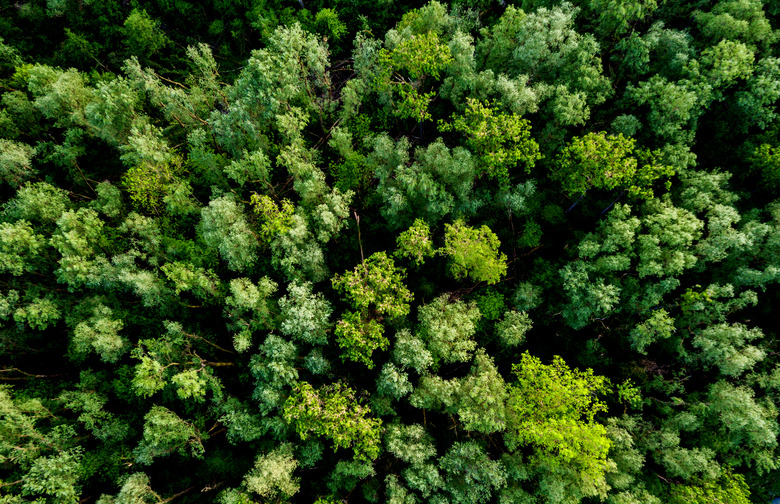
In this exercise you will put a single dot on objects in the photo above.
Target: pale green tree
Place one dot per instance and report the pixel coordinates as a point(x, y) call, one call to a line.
point(305, 314)
point(446, 329)
point(224, 227)
point(271, 477)
point(16, 166)
point(166, 433)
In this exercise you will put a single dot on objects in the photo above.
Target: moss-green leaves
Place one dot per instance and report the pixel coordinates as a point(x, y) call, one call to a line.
point(473, 253)
point(602, 161)
point(334, 411)
point(376, 284)
point(502, 141)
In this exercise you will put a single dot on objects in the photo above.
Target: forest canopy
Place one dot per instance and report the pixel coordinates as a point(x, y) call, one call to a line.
point(465, 252)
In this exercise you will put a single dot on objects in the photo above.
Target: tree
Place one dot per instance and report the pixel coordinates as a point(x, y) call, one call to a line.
point(247, 306)
point(753, 104)
point(439, 182)
point(20, 246)
point(602, 161)
point(38, 202)
point(470, 476)
point(730, 488)
point(99, 334)
point(224, 227)
point(271, 476)
point(15, 162)
point(405, 67)
point(511, 330)
point(734, 19)
point(334, 411)
point(410, 351)
point(79, 239)
point(562, 65)
point(166, 433)
point(674, 107)
point(725, 346)
point(410, 443)
point(473, 253)
point(617, 18)
point(276, 219)
point(393, 382)
point(480, 399)
point(502, 141)
point(142, 34)
point(290, 71)
point(135, 489)
point(154, 168)
point(415, 243)
point(446, 329)
point(552, 408)
point(376, 284)
point(744, 425)
point(305, 315)
point(359, 337)
point(55, 476)
point(274, 368)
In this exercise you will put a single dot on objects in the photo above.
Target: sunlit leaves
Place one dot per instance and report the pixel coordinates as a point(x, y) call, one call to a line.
point(272, 474)
point(512, 329)
point(333, 411)
point(305, 314)
point(502, 141)
point(553, 409)
point(728, 489)
point(446, 328)
point(602, 161)
point(376, 284)
point(15, 162)
point(19, 247)
point(359, 337)
point(473, 253)
point(224, 227)
point(166, 433)
point(415, 243)
point(100, 334)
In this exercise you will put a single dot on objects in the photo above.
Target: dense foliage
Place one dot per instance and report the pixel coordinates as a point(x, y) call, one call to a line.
point(474, 252)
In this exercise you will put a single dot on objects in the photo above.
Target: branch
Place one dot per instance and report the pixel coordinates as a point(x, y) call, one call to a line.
point(169, 499)
point(85, 178)
point(8, 370)
point(209, 343)
point(219, 364)
point(357, 219)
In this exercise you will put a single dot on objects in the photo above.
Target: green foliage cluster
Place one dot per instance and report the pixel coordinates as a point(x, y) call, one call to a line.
point(454, 252)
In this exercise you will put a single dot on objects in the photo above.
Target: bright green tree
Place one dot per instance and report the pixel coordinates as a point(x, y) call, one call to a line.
point(602, 161)
point(376, 285)
point(473, 252)
point(502, 141)
point(552, 408)
point(334, 411)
